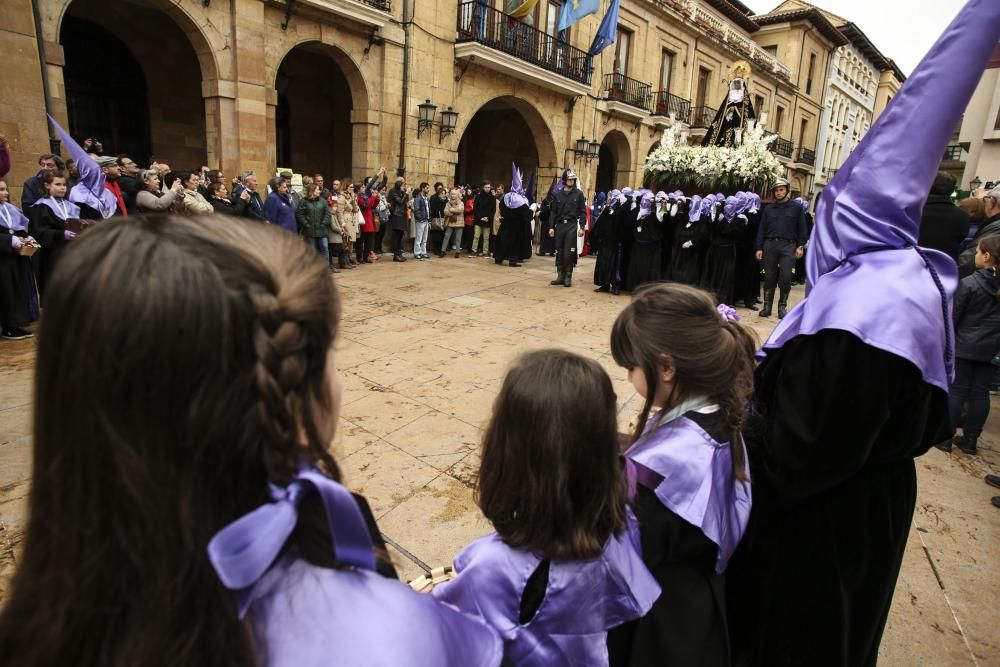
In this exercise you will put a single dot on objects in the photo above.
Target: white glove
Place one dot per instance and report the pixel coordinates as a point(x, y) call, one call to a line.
point(15, 242)
point(673, 210)
point(688, 244)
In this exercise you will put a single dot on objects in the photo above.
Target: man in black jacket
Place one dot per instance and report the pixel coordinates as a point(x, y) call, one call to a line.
point(484, 208)
point(567, 219)
point(989, 227)
point(943, 226)
point(398, 200)
point(781, 239)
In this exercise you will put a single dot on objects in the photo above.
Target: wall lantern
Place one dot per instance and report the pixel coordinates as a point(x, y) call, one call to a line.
point(449, 121)
point(425, 118)
point(595, 150)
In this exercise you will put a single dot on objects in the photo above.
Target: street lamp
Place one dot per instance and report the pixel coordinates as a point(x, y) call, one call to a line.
point(425, 118)
point(582, 147)
point(449, 120)
point(974, 184)
point(595, 150)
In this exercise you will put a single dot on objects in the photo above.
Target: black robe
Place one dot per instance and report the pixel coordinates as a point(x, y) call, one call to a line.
point(48, 229)
point(546, 243)
point(514, 236)
point(718, 274)
point(606, 240)
point(16, 283)
point(685, 263)
point(687, 624)
point(644, 264)
point(834, 486)
point(729, 118)
point(747, 266)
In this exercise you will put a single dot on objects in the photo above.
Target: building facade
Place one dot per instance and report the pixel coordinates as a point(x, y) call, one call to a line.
point(974, 154)
point(438, 89)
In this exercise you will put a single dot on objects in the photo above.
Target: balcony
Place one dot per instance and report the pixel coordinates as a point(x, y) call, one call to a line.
point(782, 147)
point(372, 13)
point(805, 156)
point(496, 41)
point(627, 96)
point(702, 117)
point(665, 104)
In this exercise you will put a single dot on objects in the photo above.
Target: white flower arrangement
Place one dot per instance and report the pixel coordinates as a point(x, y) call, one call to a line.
point(750, 166)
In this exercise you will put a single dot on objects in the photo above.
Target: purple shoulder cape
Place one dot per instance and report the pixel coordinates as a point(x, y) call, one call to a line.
point(693, 476)
point(12, 213)
point(64, 210)
point(583, 599)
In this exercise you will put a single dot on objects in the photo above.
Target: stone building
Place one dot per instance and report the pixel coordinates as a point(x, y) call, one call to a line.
point(341, 86)
point(973, 155)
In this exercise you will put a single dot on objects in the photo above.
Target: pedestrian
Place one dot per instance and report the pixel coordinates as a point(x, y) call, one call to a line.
point(347, 215)
point(335, 233)
point(692, 363)
point(718, 275)
point(977, 344)
point(397, 201)
point(32, 188)
point(49, 221)
point(606, 239)
point(421, 220)
point(193, 202)
point(235, 526)
point(990, 225)
point(454, 218)
point(647, 229)
point(781, 240)
point(513, 242)
point(368, 206)
point(747, 266)
point(313, 220)
point(17, 284)
point(381, 218)
point(248, 183)
point(690, 238)
point(128, 182)
point(943, 226)
point(278, 207)
point(832, 452)
point(223, 205)
point(567, 219)
point(437, 201)
point(562, 567)
point(483, 209)
point(151, 199)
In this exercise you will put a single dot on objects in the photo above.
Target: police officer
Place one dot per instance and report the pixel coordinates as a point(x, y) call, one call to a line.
point(568, 217)
point(781, 240)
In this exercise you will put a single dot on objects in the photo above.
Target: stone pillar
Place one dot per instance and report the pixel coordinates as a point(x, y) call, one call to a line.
point(251, 137)
point(221, 139)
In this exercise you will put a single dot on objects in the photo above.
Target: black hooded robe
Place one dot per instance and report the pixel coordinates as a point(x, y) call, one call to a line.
point(514, 236)
point(645, 264)
point(685, 263)
point(718, 274)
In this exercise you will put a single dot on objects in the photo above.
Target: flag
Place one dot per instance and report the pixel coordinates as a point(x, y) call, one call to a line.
point(520, 9)
point(608, 31)
point(574, 10)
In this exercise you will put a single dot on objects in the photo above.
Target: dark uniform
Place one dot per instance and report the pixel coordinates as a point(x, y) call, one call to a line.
point(567, 215)
point(782, 230)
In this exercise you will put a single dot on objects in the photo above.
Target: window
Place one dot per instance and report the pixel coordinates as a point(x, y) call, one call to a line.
point(622, 44)
point(812, 70)
point(772, 50)
point(703, 75)
point(779, 117)
point(666, 70)
point(758, 104)
point(802, 133)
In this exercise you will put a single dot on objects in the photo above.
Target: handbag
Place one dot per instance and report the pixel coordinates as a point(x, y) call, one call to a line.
point(437, 224)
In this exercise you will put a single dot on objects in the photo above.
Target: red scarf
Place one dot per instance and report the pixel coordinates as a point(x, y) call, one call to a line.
point(116, 190)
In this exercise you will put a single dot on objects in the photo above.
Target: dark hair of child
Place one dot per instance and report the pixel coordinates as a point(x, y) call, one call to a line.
point(550, 480)
point(991, 244)
point(673, 324)
point(196, 373)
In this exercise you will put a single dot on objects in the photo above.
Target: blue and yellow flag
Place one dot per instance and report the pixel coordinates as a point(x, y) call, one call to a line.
point(519, 9)
point(574, 10)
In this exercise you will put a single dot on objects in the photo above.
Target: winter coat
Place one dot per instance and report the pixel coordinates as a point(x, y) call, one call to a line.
point(437, 204)
point(943, 225)
point(454, 214)
point(195, 204)
point(484, 207)
point(223, 206)
point(347, 214)
point(396, 200)
point(148, 202)
point(470, 216)
point(368, 206)
point(313, 218)
point(967, 260)
point(278, 210)
point(977, 317)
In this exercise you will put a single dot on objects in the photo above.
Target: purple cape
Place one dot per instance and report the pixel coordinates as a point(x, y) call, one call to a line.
point(866, 274)
point(90, 188)
point(583, 599)
point(694, 476)
point(64, 210)
point(18, 222)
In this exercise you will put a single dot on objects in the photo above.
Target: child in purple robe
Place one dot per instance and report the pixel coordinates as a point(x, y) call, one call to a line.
point(563, 566)
point(184, 507)
point(17, 286)
point(689, 486)
point(49, 216)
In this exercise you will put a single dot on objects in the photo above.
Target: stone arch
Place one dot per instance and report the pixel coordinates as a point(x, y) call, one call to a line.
point(614, 165)
point(360, 95)
point(533, 159)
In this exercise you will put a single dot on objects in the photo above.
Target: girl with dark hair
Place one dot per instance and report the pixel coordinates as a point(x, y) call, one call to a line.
point(49, 217)
point(688, 483)
point(184, 505)
point(562, 567)
point(977, 341)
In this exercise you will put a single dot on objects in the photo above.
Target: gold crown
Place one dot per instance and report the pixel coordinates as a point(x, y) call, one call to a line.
point(739, 70)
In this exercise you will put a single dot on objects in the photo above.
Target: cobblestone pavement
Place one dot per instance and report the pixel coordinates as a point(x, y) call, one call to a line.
point(422, 350)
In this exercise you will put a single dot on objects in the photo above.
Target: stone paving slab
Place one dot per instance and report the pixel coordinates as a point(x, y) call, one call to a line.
point(422, 351)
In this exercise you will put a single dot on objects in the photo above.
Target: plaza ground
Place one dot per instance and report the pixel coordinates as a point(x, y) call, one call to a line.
point(423, 348)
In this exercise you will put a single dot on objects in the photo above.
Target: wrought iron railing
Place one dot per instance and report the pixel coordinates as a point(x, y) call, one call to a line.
point(630, 91)
point(702, 116)
point(665, 104)
point(805, 156)
point(953, 153)
point(782, 147)
point(491, 27)
point(384, 5)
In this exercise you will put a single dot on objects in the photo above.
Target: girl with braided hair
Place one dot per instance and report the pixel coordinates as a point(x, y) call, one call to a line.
point(184, 505)
point(688, 482)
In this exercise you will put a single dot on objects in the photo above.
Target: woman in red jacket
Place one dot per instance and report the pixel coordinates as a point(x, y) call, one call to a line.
point(470, 221)
point(368, 203)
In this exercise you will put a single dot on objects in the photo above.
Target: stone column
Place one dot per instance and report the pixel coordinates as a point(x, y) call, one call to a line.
point(221, 138)
point(254, 143)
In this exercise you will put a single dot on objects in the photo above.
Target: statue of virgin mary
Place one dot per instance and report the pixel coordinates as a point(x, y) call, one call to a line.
point(735, 111)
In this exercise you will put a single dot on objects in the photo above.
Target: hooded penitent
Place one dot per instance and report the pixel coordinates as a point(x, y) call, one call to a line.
point(645, 204)
point(867, 274)
point(90, 188)
point(515, 196)
point(694, 213)
point(731, 208)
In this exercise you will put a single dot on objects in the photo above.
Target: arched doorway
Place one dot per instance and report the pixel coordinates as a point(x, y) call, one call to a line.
point(151, 104)
point(319, 88)
point(614, 162)
point(504, 130)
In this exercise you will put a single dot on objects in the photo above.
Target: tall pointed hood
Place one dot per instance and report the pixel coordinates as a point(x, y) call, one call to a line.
point(515, 197)
point(865, 272)
point(90, 188)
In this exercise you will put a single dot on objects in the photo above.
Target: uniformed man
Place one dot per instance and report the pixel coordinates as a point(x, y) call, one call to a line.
point(781, 240)
point(568, 217)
